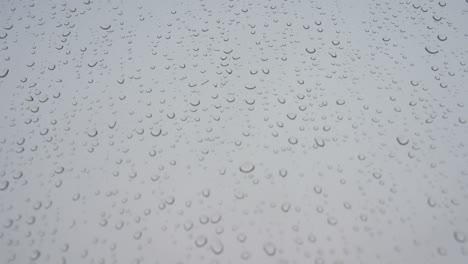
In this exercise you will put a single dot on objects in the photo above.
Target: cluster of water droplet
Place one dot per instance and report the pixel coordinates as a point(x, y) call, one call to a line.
point(233, 131)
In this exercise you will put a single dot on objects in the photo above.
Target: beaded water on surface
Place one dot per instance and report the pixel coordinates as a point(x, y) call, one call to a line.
point(233, 131)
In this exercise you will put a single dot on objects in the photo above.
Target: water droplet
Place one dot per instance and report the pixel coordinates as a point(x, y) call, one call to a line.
point(269, 248)
point(4, 73)
point(247, 167)
point(459, 236)
point(402, 140)
point(285, 207)
point(4, 185)
point(201, 241)
point(92, 133)
point(216, 246)
point(283, 172)
point(292, 140)
point(332, 221)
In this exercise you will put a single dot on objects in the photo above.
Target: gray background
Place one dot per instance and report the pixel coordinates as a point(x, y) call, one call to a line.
point(211, 132)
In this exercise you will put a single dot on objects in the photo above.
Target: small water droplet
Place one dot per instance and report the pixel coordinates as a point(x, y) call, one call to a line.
point(459, 236)
point(247, 167)
point(269, 248)
point(4, 185)
point(402, 140)
point(201, 241)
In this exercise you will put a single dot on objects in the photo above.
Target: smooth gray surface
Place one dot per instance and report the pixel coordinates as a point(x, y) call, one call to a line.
point(234, 131)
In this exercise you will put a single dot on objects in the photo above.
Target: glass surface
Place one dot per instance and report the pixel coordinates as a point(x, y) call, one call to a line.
point(225, 131)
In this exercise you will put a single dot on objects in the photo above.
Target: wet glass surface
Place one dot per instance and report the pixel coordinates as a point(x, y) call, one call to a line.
point(230, 131)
